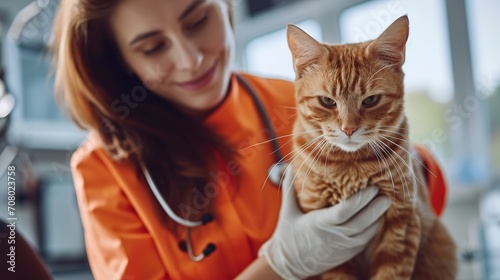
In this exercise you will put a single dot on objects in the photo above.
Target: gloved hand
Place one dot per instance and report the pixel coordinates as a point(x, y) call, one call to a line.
point(305, 245)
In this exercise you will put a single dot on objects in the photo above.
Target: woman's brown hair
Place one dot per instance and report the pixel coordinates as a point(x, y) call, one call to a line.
point(91, 77)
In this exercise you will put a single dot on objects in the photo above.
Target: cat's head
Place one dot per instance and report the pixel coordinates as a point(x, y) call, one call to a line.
point(352, 92)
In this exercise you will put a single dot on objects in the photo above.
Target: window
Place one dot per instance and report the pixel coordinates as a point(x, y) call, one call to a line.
point(37, 122)
point(484, 38)
point(269, 55)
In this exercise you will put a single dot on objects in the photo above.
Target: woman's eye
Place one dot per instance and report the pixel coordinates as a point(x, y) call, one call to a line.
point(371, 100)
point(327, 102)
point(197, 24)
point(154, 49)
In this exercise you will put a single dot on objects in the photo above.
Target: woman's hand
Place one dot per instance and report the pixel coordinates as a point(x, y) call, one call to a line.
point(305, 245)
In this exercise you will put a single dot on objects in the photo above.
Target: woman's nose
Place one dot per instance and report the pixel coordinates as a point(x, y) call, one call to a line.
point(186, 55)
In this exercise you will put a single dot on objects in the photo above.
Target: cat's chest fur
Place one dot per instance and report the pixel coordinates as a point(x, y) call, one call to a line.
point(321, 183)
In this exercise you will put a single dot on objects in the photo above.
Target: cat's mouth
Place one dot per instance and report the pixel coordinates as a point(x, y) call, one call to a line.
point(349, 145)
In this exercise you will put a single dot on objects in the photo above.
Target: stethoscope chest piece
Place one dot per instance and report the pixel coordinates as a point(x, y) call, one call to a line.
point(276, 172)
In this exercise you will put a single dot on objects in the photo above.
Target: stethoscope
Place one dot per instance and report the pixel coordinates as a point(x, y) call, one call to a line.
point(275, 174)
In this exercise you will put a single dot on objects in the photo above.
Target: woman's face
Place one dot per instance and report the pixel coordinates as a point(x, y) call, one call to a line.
point(180, 49)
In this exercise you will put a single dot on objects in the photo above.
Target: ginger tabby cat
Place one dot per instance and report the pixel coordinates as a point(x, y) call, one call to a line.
point(353, 133)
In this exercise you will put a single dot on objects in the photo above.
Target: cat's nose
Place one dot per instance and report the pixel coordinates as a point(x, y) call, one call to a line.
point(349, 130)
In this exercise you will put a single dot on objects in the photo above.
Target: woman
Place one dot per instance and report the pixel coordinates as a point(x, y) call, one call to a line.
point(151, 80)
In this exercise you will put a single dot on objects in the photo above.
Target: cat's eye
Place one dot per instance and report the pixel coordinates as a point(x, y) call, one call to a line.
point(371, 100)
point(327, 101)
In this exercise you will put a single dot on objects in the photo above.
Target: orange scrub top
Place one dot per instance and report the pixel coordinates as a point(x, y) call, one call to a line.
point(124, 236)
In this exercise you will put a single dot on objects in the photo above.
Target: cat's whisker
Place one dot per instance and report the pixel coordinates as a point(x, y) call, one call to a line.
point(376, 72)
point(379, 78)
point(384, 160)
point(389, 137)
point(399, 169)
point(303, 148)
point(392, 132)
point(406, 163)
point(285, 157)
point(376, 152)
point(288, 107)
point(402, 177)
point(310, 142)
point(394, 126)
point(307, 144)
point(293, 115)
point(316, 157)
point(383, 152)
point(305, 160)
point(314, 161)
point(404, 139)
point(410, 168)
point(279, 137)
point(322, 153)
point(328, 155)
point(411, 155)
point(395, 138)
point(291, 139)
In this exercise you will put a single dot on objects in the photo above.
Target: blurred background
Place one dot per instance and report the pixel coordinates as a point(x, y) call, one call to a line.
point(453, 103)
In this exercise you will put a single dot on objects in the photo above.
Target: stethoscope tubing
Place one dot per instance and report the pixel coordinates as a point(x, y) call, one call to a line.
point(164, 204)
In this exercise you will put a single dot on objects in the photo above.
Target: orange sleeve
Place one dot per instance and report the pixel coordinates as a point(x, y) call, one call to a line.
point(117, 242)
point(435, 180)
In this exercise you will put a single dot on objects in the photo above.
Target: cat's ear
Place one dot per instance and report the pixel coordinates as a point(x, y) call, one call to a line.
point(306, 51)
point(391, 44)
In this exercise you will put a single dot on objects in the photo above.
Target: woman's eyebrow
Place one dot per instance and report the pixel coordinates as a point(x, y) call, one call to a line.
point(190, 8)
point(143, 36)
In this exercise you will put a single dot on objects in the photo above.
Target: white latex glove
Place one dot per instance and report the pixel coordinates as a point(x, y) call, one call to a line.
point(304, 245)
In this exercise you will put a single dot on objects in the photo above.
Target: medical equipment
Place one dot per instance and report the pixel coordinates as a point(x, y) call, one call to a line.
point(275, 174)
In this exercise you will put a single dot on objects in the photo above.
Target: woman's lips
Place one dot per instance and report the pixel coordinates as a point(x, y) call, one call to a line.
point(200, 82)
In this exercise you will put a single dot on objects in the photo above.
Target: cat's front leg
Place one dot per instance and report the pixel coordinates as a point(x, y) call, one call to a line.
point(395, 255)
